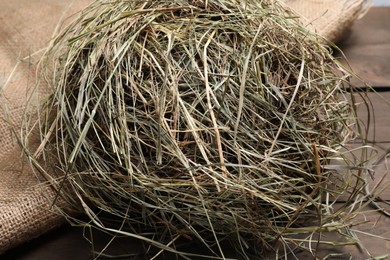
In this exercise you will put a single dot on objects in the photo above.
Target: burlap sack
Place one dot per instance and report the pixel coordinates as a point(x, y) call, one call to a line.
point(329, 18)
point(26, 26)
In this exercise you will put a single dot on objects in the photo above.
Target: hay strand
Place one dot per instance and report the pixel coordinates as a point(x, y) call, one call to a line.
point(208, 120)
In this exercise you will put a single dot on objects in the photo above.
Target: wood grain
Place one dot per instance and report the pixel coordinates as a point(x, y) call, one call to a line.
point(367, 47)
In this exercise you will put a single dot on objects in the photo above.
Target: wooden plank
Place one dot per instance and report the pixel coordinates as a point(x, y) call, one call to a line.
point(373, 111)
point(378, 138)
point(367, 47)
point(372, 233)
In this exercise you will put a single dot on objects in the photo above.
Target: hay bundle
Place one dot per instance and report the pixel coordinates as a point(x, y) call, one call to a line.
point(205, 120)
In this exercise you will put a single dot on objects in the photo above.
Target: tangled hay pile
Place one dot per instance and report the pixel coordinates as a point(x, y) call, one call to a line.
point(207, 120)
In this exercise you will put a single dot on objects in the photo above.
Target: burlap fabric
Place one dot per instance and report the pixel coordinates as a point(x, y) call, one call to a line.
point(329, 18)
point(26, 26)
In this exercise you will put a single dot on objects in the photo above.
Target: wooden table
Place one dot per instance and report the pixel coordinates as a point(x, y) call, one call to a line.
point(367, 47)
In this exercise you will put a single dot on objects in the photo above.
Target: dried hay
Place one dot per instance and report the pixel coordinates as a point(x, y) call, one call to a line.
point(209, 120)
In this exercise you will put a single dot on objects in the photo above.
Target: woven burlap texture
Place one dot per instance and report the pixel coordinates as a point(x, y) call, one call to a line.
point(26, 27)
point(329, 18)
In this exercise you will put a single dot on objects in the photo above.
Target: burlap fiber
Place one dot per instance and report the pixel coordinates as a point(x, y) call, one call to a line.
point(26, 26)
point(329, 18)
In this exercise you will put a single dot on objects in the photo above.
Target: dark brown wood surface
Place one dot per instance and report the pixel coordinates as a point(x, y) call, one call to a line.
point(367, 46)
